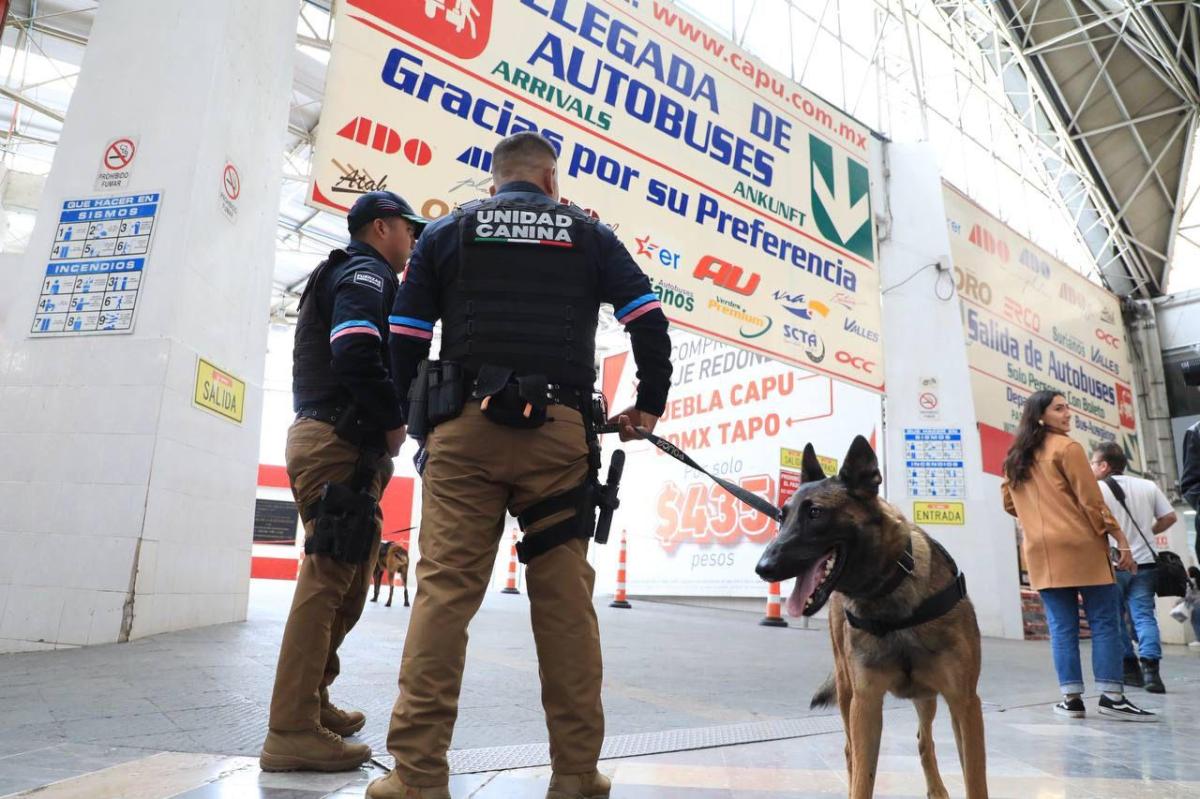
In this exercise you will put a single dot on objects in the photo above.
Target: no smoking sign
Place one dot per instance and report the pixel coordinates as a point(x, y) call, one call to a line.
point(231, 189)
point(116, 163)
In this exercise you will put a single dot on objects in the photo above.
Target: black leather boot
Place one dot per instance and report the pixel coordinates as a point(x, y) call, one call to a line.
point(1154, 683)
point(1133, 673)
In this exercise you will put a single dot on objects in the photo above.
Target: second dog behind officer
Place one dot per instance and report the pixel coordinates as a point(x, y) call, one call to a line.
point(517, 281)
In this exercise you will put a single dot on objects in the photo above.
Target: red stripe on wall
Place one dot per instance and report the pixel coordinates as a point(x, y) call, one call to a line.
point(994, 443)
point(274, 568)
point(397, 505)
point(272, 476)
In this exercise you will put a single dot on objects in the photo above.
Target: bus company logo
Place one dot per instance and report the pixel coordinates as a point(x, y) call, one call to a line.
point(847, 301)
point(856, 362)
point(799, 305)
point(753, 325)
point(727, 275)
point(460, 27)
point(671, 296)
point(646, 248)
point(811, 343)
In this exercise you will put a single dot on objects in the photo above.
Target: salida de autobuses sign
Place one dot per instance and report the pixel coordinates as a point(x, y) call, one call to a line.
point(1031, 323)
point(743, 197)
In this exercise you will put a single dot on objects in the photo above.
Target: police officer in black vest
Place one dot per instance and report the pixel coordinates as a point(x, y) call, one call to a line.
point(517, 281)
point(339, 460)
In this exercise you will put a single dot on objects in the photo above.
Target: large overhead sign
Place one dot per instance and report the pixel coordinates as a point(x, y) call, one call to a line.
point(743, 197)
point(1031, 322)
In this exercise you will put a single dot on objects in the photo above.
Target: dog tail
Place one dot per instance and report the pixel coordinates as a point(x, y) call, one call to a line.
point(825, 695)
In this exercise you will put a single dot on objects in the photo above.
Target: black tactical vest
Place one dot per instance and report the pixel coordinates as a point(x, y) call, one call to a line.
point(313, 381)
point(526, 295)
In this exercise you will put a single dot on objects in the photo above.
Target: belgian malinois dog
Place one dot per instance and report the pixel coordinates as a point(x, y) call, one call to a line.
point(899, 617)
point(392, 560)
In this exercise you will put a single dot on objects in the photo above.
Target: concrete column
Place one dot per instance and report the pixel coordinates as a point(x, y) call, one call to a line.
point(923, 339)
point(125, 510)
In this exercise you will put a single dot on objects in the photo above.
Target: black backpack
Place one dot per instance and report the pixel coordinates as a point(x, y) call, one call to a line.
point(1170, 576)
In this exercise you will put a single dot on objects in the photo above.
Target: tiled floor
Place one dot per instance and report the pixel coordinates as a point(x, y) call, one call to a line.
point(176, 715)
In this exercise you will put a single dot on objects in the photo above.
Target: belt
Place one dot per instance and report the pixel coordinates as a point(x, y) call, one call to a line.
point(578, 399)
point(574, 398)
point(327, 414)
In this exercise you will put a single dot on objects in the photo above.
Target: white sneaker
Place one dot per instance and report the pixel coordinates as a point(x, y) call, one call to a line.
point(1194, 645)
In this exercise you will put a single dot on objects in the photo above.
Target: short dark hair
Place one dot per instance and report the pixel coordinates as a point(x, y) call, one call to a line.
point(1114, 455)
point(521, 152)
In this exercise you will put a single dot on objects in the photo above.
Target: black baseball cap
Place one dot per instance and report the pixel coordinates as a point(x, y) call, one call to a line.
point(380, 205)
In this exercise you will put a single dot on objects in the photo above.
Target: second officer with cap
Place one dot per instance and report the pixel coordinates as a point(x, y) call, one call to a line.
point(348, 427)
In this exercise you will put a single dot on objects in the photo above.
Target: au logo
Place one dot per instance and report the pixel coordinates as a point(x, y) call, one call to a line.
point(841, 199)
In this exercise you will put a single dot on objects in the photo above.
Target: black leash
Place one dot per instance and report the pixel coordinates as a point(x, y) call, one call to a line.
point(753, 500)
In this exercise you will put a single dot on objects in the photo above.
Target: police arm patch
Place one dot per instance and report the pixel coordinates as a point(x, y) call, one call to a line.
point(369, 279)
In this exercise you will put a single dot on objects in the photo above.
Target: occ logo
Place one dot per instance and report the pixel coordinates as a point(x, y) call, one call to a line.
point(859, 363)
point(460, 27)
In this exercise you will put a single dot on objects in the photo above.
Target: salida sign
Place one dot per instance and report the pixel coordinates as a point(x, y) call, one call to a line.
point(219, 392)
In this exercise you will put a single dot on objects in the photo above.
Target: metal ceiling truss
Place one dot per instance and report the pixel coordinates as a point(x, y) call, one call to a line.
point(1128, 52)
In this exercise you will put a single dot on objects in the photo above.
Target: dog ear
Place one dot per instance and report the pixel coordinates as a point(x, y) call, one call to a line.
point(860, 470)
point(810, 466)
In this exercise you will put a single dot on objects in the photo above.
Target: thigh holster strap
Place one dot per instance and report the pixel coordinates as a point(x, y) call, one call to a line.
point(579, 499)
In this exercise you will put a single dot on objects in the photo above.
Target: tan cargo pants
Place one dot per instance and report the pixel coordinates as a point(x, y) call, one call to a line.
point(476, 470)
point(329, 595)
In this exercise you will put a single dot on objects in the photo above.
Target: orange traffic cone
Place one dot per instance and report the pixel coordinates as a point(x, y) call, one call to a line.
point(774, 617)
point(511, 588)
point(621, 600)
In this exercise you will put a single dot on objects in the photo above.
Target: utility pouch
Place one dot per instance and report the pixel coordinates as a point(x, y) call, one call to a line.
point(446, 392)
point(511, 401)
point(436, 396)
point(344, 528)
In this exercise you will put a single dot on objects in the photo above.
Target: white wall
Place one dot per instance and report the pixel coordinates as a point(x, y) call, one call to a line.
point(125, 510)
point(923, 338)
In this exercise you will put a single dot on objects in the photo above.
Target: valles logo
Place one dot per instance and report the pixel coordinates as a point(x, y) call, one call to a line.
point(460, 27)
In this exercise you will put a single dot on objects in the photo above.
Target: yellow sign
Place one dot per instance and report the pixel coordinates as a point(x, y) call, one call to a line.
point(793, 459)
point(939, 513)
point(742, 196)
point(219, 392)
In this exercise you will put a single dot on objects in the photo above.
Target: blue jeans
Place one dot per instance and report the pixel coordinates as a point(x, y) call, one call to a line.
point(1102, 604)
point(1137, 591)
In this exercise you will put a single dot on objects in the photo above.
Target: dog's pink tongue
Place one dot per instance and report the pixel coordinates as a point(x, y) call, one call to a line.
point(805, 585)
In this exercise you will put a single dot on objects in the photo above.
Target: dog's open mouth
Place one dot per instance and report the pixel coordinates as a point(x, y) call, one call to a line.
point(814, 584)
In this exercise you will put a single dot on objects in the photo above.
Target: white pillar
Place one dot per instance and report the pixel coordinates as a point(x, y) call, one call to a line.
point(922, 334)
point(124, 509)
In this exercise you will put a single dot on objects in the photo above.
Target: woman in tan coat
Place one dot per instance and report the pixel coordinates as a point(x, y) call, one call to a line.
point(1050, 488)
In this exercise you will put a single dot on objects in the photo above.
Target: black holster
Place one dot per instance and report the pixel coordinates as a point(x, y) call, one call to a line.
point(585, 499)
point(344, 516)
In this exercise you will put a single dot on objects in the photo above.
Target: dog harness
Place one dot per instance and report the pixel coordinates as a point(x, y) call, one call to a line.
point(932, 608)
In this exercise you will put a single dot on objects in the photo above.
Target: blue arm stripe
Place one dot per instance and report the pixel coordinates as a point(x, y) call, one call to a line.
point(642, 300)
point(410, 322)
